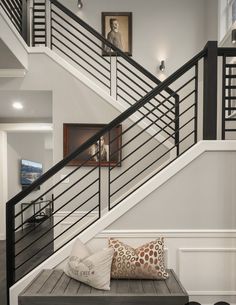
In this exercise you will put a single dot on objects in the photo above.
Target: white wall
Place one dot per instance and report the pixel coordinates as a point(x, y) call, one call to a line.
point(73, 102)
point(162, 29)
point(3, 181)
point(28, 146)
point(201, 196)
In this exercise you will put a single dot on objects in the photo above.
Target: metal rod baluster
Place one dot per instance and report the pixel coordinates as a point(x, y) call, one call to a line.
point(223, 97)
point(196, 104)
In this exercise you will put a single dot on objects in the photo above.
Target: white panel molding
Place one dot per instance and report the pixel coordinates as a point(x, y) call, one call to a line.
point(168, 233)
point(180, 266)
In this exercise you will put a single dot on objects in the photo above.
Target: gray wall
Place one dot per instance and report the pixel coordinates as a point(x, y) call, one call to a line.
point(162, 29)
point(201, 196)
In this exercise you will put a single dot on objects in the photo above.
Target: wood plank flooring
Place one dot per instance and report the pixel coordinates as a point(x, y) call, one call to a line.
point(39, 257)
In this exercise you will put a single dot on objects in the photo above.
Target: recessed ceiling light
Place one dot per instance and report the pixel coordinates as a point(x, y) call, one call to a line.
point(17, 105)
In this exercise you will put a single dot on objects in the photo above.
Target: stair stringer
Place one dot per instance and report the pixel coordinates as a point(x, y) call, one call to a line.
point(14, 42)
point(13, 38)
point(167, 173)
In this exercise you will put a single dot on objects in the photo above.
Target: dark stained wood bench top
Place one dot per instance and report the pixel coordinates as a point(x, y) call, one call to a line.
point(54, 287)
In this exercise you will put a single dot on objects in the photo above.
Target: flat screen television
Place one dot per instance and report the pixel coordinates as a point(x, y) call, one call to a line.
point(30, 171)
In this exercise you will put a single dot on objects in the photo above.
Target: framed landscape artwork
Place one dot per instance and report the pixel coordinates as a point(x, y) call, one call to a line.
point(77, 134)
point(117, 29)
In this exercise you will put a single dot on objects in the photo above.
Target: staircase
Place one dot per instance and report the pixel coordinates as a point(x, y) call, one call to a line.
point(160, 123)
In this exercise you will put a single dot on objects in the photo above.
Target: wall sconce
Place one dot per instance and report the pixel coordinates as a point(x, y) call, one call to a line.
point(162, 66)
point(80, 4)
point(233, 36)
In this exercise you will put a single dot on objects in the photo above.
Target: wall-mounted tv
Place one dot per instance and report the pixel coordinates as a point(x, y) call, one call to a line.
point(30, 171)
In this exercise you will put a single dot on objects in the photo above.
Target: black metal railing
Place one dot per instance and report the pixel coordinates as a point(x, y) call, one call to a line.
point(39, 33)
point(55, 26)
point(134, 157)
point(165, 126)
point(228, 93)
point(14, 10)
point(117, 74)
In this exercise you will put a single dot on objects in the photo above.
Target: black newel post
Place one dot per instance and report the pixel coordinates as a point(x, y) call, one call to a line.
point(10, 248)
point(210, 92)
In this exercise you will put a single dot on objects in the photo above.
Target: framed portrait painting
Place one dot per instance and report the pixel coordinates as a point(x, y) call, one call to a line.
point(107, 149)
point(117, 29)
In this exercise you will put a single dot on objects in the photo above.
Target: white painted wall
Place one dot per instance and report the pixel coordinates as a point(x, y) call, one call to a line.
point(162, 29)
point(201, 196)
point(73, 102)
point(8, 36)
point(27, 146)
point(3, 182)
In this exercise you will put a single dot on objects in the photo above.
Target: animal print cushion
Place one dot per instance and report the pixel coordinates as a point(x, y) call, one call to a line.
point(145, 262)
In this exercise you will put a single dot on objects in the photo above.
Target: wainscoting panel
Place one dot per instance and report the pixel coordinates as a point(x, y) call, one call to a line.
point(212, 269)
point(204, 260)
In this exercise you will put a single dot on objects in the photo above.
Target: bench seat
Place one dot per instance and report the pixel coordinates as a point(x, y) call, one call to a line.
point(53, 287)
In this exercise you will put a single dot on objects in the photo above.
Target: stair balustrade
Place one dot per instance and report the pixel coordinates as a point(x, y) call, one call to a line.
point(176, 113)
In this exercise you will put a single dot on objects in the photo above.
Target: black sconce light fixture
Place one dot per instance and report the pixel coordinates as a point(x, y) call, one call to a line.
point(80, 4)
point(162, 66)
point(233, 36)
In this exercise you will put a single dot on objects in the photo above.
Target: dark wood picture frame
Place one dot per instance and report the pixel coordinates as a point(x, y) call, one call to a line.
point(76, 134)
point(124, 20)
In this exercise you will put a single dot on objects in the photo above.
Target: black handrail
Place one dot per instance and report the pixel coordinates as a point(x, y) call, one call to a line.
point(226, 51)
point(123, 116)
point(105, 41)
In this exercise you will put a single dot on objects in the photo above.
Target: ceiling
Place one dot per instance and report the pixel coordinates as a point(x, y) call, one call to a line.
point(8, 59)
point(37, 107)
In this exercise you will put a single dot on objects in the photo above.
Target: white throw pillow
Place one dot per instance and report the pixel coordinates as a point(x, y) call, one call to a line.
point(91, 269)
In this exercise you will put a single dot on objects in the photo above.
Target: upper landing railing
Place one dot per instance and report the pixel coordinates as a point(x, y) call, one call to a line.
point(56, 27)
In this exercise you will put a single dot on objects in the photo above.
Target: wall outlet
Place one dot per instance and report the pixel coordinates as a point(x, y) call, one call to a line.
point(67, 180)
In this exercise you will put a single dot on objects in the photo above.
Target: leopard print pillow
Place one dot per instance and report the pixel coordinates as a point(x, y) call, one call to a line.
point(145, 262)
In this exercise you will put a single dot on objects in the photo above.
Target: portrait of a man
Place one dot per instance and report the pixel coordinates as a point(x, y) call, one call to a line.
point(117, 29)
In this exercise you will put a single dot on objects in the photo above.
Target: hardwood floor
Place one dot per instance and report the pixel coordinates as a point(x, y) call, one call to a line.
point(37, 249)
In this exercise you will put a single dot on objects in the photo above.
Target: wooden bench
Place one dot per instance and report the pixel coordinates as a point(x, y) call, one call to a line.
point(53, 287)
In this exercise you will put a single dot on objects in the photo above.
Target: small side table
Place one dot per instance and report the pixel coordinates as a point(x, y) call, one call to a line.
point(39, 204)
